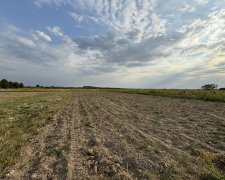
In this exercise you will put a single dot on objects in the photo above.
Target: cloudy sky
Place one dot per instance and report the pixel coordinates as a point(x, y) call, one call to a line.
point(113, 43)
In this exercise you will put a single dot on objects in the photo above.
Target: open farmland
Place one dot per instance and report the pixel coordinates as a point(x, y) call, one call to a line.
point(109, 135)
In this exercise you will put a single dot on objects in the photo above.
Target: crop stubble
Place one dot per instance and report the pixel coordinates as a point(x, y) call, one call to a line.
point(99, 134)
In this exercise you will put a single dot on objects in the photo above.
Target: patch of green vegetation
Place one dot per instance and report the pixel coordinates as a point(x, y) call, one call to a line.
point(165, 173)
point(26, 123)
point(132, 137)
point(54, 136)
point(144, 144)
point(88, 123)
point(158, 148)
point(146, 175)
point(96, 105)
point(57, 152)
point(53, 146)
point(212, 174)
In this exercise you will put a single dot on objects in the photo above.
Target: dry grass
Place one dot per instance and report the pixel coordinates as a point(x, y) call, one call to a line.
point(208, 95)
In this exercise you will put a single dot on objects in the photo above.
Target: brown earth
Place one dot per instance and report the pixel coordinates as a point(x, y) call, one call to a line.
point(107, 135)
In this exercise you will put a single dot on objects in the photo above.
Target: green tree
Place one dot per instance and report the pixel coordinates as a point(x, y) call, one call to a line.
point(209, 87)
point(16, 85)
point(21, 85)
point(5, 84)
point(0, 84)
point(11, 84)
point(37, 85)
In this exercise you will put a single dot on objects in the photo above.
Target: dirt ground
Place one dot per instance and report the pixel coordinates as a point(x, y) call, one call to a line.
point(107, 135)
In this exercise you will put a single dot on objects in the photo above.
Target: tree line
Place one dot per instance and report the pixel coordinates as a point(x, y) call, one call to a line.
point(9, 84)
point(211, 87)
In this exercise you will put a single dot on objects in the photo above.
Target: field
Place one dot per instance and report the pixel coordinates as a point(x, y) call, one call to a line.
point(99, 134)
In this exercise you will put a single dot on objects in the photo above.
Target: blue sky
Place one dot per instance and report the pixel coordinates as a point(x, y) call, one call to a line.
point(113, 43)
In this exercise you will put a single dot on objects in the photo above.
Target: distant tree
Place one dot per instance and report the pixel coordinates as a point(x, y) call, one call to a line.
point(221, 88)
point(209, 87)
point(21, 85)
point(37, 85)
point(16, 85)
point(5, 84)
point(11, 84)
point(0, 84)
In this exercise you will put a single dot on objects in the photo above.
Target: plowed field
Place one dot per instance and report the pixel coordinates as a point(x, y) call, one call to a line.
point(107, 135)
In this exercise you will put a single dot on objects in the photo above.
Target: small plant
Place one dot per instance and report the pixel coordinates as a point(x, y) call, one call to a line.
point(58, 152)
point(49, 120)
point(144, 144)
point(53, 146)
point(212, 174)
point(96, 105)
point(165, 173)
point(146, 175)
point(132, 137)
point(157, 150)
point(88, 123)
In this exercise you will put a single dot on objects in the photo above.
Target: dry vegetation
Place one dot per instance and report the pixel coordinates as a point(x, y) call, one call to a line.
point(109, 135)
point(207, 95)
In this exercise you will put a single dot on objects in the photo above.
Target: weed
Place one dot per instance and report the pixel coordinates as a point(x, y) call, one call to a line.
point(157, 150)
point(165, 173)
point(54, 136)
point(146, 175)
point(132, 137)
point(96, 105)
point(144, 144)
point(88, 123)
point(212, 174)
point(53, 146)
point(51, 152)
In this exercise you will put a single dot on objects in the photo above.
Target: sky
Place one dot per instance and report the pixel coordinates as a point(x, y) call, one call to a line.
point(113, 43)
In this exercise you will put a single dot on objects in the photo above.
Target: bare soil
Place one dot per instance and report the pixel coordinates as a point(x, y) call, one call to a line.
point(107, 135)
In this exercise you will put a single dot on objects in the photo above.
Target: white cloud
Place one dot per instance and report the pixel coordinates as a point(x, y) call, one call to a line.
point(35, 37)
point(77, 17)
point(55, 30)
point(25, 41)
point(66, 40)
point(43, 36)
point(202, 1)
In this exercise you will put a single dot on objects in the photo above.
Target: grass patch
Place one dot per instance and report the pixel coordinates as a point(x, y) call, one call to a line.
point(96, 105)
point(14, 134)
point(212, 174)
point(132, 137)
